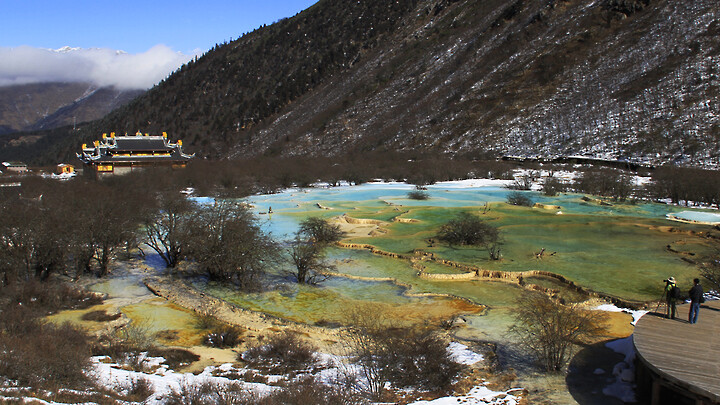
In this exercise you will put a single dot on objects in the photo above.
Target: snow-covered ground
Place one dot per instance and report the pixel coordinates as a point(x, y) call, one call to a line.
point(636, 314)
point(471, 183)
point(461, 354)
point(164, 382)
point(624, 385)
point(478, 395)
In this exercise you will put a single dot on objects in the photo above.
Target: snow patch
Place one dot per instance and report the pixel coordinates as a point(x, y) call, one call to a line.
point(624, 385)
point(460, 353)
point(471, 183)
point(478, 395)
point(636, 314)
point(163, 380)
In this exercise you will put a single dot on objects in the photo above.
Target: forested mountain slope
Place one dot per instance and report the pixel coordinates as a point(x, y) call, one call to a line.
point(50, 105)
point(609, 78)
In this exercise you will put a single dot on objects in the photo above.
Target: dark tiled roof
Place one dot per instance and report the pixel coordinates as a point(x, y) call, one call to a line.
point(142, 150)
point(174, 157)
point(139, 143)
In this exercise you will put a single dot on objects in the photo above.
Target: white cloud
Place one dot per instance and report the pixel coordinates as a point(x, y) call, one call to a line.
point(104, 67)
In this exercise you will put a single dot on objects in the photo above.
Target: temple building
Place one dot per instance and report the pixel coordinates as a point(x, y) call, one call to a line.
point(123, 154)
point(14, 167)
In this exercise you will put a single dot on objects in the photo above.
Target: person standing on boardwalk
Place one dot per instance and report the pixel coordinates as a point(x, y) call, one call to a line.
point(696, 297)
point(671, 295)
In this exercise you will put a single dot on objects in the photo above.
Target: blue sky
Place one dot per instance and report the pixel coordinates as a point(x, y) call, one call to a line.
point(156, 36)
point(135, 26)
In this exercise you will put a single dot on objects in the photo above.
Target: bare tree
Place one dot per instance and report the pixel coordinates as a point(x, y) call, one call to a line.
point(17, 243)
point(166, 230)
point(308, 259)
point(364, 350)
point(605, 182)
point(227, 244)
point(37, 233)
point(710, 271)
point(523, 182)
point(319, 230)
point(110, 222)
point(519, 199)
point(405, 357)
point(551, 330)
point(552, 186)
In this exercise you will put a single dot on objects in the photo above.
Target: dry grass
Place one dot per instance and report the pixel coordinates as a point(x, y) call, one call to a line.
point(100, 316)
point(282, 353)
point(39, 354)
point(223, 336)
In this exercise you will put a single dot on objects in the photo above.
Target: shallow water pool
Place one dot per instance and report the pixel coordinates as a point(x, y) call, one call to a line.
point(712, 218)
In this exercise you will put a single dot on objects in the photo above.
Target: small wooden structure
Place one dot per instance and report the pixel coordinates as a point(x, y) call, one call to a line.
point(64, 168)
point(678, 362)
point(14, 167)
point(123, 154)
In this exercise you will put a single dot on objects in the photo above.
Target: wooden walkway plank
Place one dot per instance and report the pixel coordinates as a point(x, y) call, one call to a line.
point(686, 355)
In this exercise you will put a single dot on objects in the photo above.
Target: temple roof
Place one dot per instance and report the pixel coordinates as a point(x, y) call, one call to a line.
point(133, 149)
point(141, 143)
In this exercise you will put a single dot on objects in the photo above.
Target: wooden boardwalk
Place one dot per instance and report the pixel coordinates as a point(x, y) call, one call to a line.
point(682, 357)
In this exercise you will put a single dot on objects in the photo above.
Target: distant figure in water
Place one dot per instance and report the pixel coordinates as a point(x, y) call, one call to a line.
point(269, 210)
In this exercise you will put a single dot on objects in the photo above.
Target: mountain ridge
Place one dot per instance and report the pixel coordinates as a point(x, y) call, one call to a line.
point(617, 79)
point(39, 106)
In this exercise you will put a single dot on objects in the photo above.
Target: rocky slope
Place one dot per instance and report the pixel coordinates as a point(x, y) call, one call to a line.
point(607, 79)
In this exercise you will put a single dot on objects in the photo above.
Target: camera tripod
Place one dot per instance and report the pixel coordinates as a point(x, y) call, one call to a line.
point(661, 301)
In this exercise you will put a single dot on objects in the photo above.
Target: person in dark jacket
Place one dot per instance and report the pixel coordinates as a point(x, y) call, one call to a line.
point(696, 297)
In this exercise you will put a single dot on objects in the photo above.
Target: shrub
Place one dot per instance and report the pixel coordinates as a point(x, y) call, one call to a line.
point(550, 330)
point(308, 260)
point(710, 270)
point(467, 229)
point(282, 353)
point(227, 244)
point(128, 345)
point(18, 320)
point(43, 297)
point(223, 336)
point(552, 186)
point(49, 356)
point(174, 357)
point(418, 195)
point(204, 322)
point(319, 230)
point(138, 389)
point(404, 357)
point(41, 354)
point(520, 199)
point(100, 316)
point(417, 358)
point(203, 393)
point(233, 394)
point(136, 334)
point(524, 182)
point(308, 391)
point(209, 393)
